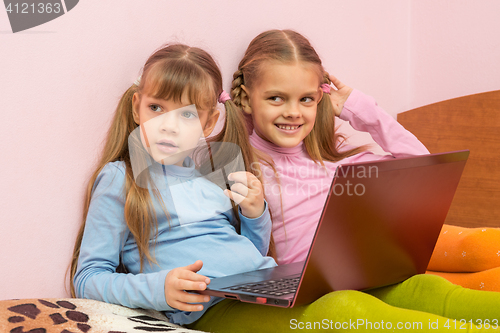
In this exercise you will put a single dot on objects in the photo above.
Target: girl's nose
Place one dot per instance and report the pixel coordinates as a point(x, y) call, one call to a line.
point(292, 111)
point(169, 123)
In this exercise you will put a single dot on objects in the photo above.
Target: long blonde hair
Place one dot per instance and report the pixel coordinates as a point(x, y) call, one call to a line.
point(168, 74)
point(288, 46)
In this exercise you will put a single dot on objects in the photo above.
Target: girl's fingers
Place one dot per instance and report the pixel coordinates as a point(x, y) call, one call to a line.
point(239, 177)
point(186, 275)
point(195, 267)
point(246, 178)
point(189, 273)
point(336, 82)
point(240, 189)
point(186, 307)
point(182, 284)
point(186, 297)
point(185, 278)
point(237, 198)
point(179, 298)
point(198, 264)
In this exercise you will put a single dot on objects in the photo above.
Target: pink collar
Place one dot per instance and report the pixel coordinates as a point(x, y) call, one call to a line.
point(269, 147)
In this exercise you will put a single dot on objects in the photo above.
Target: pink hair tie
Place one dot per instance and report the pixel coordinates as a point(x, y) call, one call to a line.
point(224, 97)
point(326, 88)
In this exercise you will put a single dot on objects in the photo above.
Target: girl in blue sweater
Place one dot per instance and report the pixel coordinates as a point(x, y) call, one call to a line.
point(150, 211)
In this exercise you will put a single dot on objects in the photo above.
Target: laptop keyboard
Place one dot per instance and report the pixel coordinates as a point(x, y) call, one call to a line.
point(277, 287)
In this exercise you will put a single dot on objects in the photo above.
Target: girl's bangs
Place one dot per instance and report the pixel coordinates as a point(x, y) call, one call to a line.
point(172, 79)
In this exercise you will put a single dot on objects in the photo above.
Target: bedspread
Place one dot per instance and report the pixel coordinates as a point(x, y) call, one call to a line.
point(66, 315)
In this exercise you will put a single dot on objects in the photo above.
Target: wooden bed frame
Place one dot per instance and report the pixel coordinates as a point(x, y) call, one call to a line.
point(469, 122)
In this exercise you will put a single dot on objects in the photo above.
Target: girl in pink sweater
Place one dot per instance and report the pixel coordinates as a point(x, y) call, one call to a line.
point(291, 106)
point(297, 196)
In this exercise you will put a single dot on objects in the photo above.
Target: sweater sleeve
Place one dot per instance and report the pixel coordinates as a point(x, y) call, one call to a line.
point(365, 115)
point(103, 240)
point(258, 230)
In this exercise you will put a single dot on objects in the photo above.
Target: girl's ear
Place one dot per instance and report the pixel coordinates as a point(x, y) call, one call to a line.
point(211, 122)
point(321, 94)
point(245, 100)
point(135, 107)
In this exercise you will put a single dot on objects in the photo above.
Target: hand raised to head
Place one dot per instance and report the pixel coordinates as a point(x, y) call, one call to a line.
point(339, 95)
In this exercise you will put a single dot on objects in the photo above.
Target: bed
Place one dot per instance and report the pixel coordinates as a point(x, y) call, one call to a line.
point(468, 249)
point(470, 122)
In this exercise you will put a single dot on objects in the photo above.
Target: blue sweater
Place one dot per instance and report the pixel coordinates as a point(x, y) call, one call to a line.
point(200, 227)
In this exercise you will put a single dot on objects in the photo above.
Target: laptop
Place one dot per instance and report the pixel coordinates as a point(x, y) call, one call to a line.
point(379, 226)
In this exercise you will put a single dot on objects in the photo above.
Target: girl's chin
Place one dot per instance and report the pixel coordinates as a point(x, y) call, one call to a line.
point(289, 139)
point(284, 140)
point(165, 159)
point(287, 142)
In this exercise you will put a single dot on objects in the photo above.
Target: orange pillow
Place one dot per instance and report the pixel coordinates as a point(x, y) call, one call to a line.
point(460, 249)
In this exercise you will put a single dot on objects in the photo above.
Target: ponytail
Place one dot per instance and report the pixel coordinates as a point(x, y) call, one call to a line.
point(139, 212)
point(323, 142)
point(236, 97)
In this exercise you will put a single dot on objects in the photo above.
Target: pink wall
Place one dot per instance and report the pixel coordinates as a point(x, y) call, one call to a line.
point(454, 51)
point(60, 82)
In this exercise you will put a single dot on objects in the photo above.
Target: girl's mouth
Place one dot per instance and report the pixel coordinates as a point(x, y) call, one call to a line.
point(287, 127)
point(167, 146)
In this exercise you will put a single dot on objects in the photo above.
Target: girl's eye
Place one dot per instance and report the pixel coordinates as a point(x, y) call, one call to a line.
point(189, 114)
point(155, 108)
point(307, 99)
point(276, 99)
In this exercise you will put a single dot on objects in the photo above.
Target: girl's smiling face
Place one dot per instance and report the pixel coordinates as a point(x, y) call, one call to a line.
point(283, 102)
point(171, 129)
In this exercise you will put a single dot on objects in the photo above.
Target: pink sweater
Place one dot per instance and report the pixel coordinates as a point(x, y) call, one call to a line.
point(305, 184)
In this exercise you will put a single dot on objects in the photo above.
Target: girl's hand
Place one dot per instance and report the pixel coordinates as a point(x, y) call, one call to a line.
point(247, 192)
point(179, 280)
point(339, 96)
